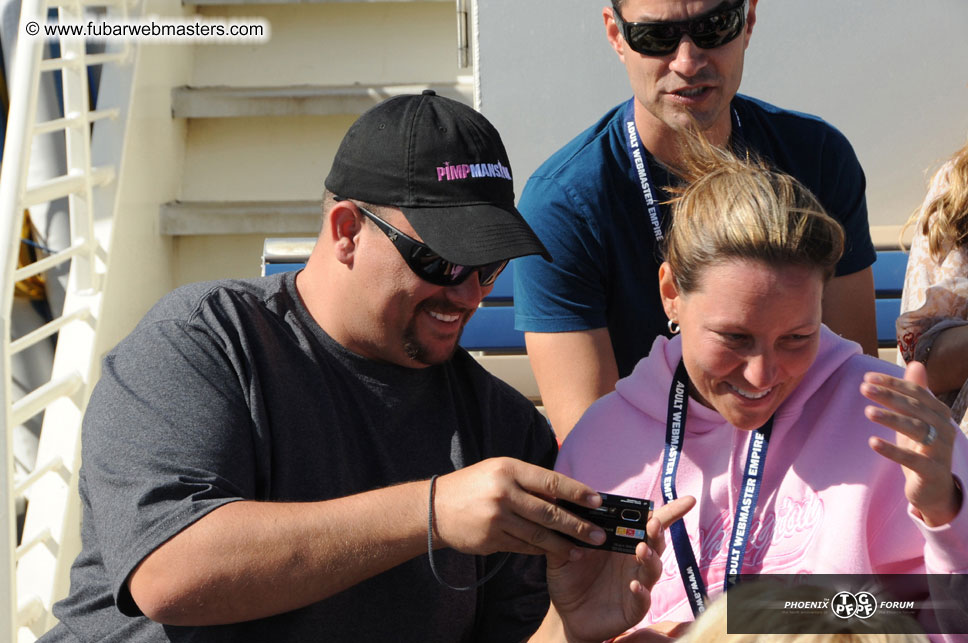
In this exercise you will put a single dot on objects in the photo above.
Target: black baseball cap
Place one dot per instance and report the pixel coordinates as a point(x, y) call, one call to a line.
point(444, 166)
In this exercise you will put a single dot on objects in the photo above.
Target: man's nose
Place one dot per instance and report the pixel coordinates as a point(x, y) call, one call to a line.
point(688, 59)
point(469, 293)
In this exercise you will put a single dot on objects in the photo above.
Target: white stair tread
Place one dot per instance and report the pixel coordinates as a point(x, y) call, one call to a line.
point(235, 2)
point(178, 218)
point(298, 100)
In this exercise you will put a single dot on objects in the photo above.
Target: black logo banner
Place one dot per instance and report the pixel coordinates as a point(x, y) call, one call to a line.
point(848, 603)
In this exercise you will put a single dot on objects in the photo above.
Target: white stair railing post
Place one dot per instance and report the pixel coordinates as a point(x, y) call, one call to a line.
point(34, 574)
point(23, 92)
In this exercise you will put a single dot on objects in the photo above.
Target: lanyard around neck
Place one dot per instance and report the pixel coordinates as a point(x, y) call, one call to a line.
point(637, 155)
point(752, 479)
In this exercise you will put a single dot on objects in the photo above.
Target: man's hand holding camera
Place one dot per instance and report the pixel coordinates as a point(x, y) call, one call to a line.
point(502, 504)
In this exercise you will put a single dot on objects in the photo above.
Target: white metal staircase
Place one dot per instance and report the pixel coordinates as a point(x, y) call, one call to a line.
point(34, 574)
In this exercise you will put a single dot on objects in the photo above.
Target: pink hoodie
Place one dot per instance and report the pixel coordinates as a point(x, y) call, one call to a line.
point(828, 503)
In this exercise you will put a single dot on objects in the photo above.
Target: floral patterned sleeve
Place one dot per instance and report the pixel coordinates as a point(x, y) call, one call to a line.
point(935, 298)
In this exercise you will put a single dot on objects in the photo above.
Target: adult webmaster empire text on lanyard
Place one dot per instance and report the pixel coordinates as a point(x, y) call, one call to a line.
point(636, 152)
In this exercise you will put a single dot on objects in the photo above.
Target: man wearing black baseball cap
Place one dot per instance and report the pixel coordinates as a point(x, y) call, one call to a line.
point(310, 456)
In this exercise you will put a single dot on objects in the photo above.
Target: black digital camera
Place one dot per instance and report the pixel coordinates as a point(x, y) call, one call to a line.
point(623, 518)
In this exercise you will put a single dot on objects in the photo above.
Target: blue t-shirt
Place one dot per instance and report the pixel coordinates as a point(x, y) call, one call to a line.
point(586, 205)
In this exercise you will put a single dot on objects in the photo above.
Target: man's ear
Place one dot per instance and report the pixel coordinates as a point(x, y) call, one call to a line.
point(613, 33)
point(750, 21)
point(668, 291)
point(344, 226)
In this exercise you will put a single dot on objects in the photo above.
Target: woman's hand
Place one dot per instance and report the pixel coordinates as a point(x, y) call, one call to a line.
point(601, 594)
point(925, 440)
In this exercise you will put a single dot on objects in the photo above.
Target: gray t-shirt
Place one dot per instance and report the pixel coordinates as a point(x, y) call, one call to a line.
point(230, 390)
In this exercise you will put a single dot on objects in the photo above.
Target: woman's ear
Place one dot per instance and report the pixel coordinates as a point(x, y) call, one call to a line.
point(668, 291)
point(345, 224)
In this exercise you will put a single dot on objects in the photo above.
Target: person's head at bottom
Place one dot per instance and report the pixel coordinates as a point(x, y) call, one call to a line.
point(746, 260)
point(419, 221)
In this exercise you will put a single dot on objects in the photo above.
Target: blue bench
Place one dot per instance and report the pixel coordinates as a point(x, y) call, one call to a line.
point(492, 327)
point(888, 282)
point(492, 339)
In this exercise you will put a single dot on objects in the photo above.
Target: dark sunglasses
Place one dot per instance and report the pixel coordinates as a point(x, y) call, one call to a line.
point(708, 31)
point(430, 266)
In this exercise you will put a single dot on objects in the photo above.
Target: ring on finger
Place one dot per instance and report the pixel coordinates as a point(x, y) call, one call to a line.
point(929, 436)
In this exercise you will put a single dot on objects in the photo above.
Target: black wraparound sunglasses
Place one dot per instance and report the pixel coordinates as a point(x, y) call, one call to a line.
point(708, 31)
point(430, 266)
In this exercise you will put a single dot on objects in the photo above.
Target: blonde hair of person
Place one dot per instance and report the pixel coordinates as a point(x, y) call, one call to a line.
point(740, 208)
point(944, 220)
point(710, 627)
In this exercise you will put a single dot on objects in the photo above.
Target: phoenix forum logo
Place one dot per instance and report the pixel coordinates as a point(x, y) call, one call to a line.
point(846, 605)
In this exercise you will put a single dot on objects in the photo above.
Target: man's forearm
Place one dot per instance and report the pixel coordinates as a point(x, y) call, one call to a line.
point(849, 309)
point(573, 370)
point(249, 560)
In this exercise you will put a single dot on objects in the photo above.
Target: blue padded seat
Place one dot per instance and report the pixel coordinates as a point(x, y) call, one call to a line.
point(888, 283)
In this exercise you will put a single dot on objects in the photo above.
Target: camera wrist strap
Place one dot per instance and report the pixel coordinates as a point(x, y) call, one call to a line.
point(638, 155)
point(430, 548)
point(752, 478)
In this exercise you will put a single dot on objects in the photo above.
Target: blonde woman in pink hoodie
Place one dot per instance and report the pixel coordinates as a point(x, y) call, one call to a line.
point(804, 455)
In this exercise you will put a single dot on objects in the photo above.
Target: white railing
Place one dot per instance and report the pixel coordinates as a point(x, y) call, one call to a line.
point(34, 573)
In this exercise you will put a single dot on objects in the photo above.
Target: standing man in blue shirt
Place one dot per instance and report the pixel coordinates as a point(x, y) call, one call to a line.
point(597, 204)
